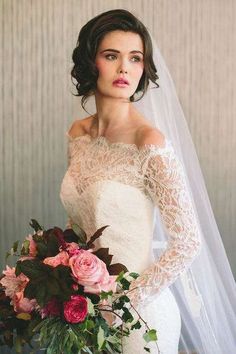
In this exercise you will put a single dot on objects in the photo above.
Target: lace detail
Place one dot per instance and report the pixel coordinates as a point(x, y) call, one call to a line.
point(105, 142)
point(115, 161)
point(158, 174)
point(165, 182)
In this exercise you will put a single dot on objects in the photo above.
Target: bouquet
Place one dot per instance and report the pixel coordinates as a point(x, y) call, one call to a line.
point(66, 297)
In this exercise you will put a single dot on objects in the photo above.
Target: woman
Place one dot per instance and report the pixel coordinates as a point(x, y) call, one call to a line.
point(121, 168)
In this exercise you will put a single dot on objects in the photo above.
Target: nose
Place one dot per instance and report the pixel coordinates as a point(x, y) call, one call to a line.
point(123, 67)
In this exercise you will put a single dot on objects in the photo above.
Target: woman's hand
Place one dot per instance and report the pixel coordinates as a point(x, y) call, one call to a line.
point(106, 310)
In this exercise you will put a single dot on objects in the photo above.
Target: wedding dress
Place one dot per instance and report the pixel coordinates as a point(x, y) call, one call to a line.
point(120, 185)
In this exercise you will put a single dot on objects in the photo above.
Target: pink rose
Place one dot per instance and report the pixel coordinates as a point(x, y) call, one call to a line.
point(60, 258)
point(23, 304)
point(92, 273)
point(88, 269)
point(76, 309)
point(98, 287)
point(51, 309)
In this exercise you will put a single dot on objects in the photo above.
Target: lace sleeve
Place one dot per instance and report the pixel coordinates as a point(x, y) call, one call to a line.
point(69, 153)
point(165, 182)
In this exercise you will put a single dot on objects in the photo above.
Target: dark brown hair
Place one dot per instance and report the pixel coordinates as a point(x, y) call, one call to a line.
point(90, 36)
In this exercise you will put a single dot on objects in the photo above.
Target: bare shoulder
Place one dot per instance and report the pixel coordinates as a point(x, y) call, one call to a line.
point(150, 135)
point(78, 127)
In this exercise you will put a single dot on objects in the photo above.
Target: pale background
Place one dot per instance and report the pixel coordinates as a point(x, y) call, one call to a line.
point(198, 42)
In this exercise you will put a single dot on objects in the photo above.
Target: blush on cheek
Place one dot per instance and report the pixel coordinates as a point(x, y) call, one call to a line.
point(103, 66)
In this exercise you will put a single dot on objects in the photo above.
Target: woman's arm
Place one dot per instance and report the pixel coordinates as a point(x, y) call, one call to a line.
point(166, 184)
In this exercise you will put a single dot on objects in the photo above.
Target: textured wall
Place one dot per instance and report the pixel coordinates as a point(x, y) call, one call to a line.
point(197, 39)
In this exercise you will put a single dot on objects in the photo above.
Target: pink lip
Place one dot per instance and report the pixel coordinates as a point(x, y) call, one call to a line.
point(121, 81)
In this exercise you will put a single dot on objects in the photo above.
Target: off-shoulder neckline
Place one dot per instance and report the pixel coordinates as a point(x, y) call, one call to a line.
point(102, 140)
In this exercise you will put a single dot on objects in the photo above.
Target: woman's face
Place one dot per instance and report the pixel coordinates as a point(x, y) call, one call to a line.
point(120, 55)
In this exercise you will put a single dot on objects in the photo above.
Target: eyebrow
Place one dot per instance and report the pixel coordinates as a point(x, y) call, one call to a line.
point(117, 51)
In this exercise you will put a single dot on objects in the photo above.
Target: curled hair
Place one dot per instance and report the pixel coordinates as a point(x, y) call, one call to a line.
point(84, 70)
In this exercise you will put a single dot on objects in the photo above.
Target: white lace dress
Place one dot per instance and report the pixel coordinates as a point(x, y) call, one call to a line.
point(119, 184)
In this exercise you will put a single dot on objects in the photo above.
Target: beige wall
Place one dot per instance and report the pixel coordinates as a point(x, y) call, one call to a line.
point(198, 40)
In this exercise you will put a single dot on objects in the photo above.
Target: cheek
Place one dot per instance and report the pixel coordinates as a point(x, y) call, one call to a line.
point(139, 71)
point(102, 67)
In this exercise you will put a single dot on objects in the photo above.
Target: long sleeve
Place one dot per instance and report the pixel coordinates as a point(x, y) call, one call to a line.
point(69, 154)
point(166, 184)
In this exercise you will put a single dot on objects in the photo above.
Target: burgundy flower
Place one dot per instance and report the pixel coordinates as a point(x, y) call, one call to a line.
point(60, 237)
point(51, 309)
point(75, 309)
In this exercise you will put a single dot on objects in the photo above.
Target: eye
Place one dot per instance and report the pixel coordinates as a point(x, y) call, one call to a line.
point(110, 55)
point(137, 58)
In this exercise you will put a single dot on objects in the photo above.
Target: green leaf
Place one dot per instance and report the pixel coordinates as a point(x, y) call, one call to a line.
point(7, 256)
point(70, 236)
point(117, 305)
point(18, 344)
point(127, 316)
point(15, 246)
point(34, 268)
point(80, 233)
point(112, 339)
point(13, 250)
point(35, 225)
point(91, 310)
point(125, 283)
point(53, 286)
point(120, 276)
point(87, 350)
point(97, 234)
point(25, 247)
point(150, 335)
point(147, 349)
point(52, 245)
point(105, 294)
point(100, 337)
point(134, 275)
point(124, 298)
point(89, 325)
point(36, 289)
point(18, 268)
point(41, 248)
point(136, 325)
point(63, 276)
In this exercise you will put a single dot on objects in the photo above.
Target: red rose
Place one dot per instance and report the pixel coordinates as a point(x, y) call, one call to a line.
point(75, 309)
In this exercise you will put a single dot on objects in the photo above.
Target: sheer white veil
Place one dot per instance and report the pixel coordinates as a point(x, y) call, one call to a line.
point(206, 292)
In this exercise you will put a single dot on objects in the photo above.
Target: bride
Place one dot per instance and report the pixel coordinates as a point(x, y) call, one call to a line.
point(129, 168)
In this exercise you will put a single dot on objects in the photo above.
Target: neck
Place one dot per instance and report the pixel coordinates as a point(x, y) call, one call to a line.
point(112, 114)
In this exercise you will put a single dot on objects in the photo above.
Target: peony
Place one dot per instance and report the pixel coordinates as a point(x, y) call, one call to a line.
point(13, 283)
point(75, 309)
point(60, 258)
point(23, 304)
